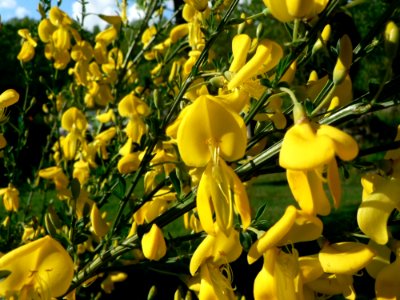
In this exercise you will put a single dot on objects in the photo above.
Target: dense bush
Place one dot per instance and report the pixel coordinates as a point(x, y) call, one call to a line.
point(128, 153)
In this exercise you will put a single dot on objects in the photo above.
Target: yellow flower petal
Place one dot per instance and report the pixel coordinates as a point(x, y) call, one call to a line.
point(310, 268)
point(307, 189)
point(387, 284)
point(99, 224)
point(220, 129)
point(153, 244)
point(303, 149)
point(345, 146)
point(8, 97)
point(273, 236)
point(372, 216)
point(43, 263)
point(240, 48)
point(345, 257)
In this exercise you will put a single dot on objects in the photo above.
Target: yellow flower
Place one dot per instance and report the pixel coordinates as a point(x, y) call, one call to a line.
point(345, 258)
point(74, 121)
point(41, 269)
point(214, 284)
point(267, 56)
point(8, 98)
point(221, 192)
point(221, 130)
point(294, 226)
point(380, 198)
point(153, 244)
point(218, 249)
point(387, 284)
point(10, 198)
point(279, 277)
point(99, 224)
point(288, 10)
point(308, 151)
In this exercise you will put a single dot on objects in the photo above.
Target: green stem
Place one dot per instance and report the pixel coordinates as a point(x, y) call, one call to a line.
point(295, 30)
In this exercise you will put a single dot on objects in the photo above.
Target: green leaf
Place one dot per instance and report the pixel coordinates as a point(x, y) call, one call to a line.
point(120, 189)
point(260, 211)
point(175, 182)
point(246, 240)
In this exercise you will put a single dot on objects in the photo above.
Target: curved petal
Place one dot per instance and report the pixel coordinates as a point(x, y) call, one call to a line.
point(153, 244)
point(345, 257)
point(307, 188)
point(8, 97)
point(279, 10)
point(208, 124)
point(387, 284)
point(305, 228)
point(240, 48)
point(273, 236)
point(345, 146)
point(373, 215)
point(302, 149)
point(44, 263)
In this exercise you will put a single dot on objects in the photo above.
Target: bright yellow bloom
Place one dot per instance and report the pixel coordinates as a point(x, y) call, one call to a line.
point(74, 121)
point(267, 56)
point(279, 277)
point(288, 10)
point(345, 258)
point(8, 98)
point(221, 192)
point(214, 285)
point(308, 151)
point(41, 269)
point(153, 244)
point(59, 178)
point(135, 109)
point(221, 130)
point(380, 198)
point(99, 224)
point(10, 198)
point(129, 163)
point(218, 249)
point(294, 226)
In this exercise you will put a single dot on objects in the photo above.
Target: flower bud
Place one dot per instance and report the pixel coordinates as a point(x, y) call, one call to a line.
point(391, 39)
point(344, 60)
point(153, 244)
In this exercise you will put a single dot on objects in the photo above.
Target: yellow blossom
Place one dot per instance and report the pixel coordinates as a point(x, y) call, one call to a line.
point(10, 198)
point(153, 244)
point(41, 269)
point(288, 10)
